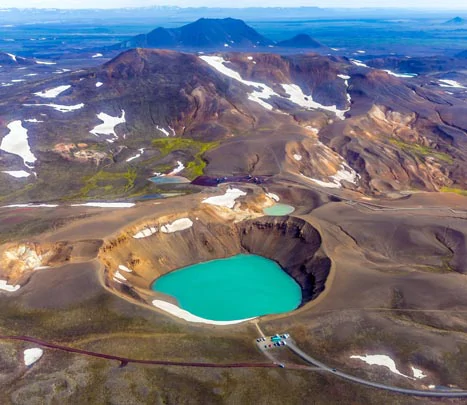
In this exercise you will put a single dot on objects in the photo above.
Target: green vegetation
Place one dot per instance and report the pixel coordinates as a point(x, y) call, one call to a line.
point(197, 149)
point(421, 151)
point(111, 183)
point(459, 191)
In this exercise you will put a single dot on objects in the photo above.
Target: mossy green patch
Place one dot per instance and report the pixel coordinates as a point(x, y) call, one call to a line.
point(113, 183)
point(197, 149)
point(459, 191)
point(421, 151)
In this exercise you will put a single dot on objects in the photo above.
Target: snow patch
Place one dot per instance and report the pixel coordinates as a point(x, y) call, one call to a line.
point(97, 55)
point(417, 373)
point(33, 120)
point(298, 97)
point(163, 130)
point(124, 268)
point(108, 125)
point(451, 83)
point(178, 169)
point(30, 206)
point(177, 225)
point(141, 151)
point(145, 233)
point(99, 84)
point(32, 355)
point(297, 157)
point(357, 62)
point(13, 57)
point(264, 92)
point(105, 205)
point(119, 276)
point(39, 62)
point(187, 316)
point(227, 200)
point(381, 360)
point(52, 93)
point(17, 173)
point(344, 173)
point(16, 143)
point(6, 287)
point(58, 107)
point(275, 197)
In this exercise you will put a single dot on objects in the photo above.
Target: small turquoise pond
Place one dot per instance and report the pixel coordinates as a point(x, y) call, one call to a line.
point(239, 287)
point(279, 210)
point(169, 180)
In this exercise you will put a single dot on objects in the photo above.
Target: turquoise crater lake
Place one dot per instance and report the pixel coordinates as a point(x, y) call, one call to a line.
point(239, 287)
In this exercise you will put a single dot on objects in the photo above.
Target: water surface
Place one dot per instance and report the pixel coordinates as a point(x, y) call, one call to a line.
point(279, 210)
point(239, 287)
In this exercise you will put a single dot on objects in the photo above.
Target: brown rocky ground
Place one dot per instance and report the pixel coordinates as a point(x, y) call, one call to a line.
point(396, 287)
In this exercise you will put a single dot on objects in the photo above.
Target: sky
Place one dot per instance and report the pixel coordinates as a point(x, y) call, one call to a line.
point(419, 4)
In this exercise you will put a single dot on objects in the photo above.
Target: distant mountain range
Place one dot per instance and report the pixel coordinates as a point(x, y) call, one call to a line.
point(208, 33)
point(456, 21)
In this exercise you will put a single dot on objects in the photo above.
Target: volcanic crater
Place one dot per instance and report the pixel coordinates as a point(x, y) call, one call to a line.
point(132, 264)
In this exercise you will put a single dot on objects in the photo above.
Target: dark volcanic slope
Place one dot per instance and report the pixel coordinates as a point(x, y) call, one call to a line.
point(101, 133)
point(203, 33)
point(8, 59)
point(302, 41)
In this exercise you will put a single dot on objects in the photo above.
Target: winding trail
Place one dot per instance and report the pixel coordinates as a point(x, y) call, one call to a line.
point(125, 361)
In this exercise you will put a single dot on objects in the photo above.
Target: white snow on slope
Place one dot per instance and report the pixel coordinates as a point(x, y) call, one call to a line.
point(297, 157)
point(58, 107)
point(178, 169)
point(344, 173)
point(402, 75)
point(145, 233)
point(273, 196)
point(119, 276)
point(226, 200)
point(124, 268)
point(346, 82)
point(381, 360)
point(13, 57)
point(177, 225)
point(163, 130)
point(39, 62)
point(105, 205)
point(108, 125)
point(33, 120)
point(6, 287)
point(263, 91)
point(32, 355)
point(187, 316)
point(30, 206)
point(358, 63)
point(417, 373)
point(99, 84)
point(141, 151)
point(52, 93)
point(16, 142)
point(451, 83)
point(298, 97)
point(97, 55)
point(17, 173)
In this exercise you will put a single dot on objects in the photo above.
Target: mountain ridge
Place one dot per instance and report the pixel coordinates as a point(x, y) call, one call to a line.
point(212, 33)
